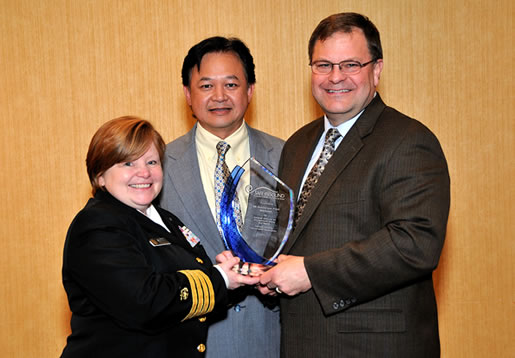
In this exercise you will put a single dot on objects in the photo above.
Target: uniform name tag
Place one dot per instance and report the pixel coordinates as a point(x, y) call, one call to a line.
point(159, 241)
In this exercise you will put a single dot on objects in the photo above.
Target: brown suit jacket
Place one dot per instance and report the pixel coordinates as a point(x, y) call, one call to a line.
point(371, 233)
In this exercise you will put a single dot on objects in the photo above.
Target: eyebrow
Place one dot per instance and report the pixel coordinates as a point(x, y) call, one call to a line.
point(230, 77)
point(326, 60)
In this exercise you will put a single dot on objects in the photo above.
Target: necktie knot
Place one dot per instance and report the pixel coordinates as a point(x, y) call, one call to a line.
point(222, 148)
point(330, 138)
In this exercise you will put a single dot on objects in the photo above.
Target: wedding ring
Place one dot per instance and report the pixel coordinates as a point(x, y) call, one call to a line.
point(278, 290)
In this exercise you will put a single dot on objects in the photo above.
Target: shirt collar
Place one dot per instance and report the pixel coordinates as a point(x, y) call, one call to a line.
point(207, 139)
point(344, 127)
point(153, 215)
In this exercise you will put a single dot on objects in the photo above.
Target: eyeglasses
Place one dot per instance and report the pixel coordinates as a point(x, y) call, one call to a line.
point(346, 67)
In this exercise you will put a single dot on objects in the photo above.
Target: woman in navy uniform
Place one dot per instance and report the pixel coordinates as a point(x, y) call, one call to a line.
point(139, 283)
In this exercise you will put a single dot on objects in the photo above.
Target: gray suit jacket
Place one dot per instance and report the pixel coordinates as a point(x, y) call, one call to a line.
point(371, 233)
point(249, 329)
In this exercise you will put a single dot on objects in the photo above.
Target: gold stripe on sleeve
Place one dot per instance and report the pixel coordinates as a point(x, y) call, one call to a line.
point(202, 293)
point(209, 293)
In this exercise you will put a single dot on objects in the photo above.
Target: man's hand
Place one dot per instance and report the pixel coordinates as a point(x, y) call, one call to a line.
point(289, 276)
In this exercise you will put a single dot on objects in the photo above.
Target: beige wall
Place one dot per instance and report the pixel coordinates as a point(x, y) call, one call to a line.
point(68, 66)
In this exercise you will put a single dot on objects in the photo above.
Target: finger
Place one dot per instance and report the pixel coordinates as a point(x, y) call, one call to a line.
point(265, 278)
point(265, 291)
point(248, 280)
point(228, 264)
point(227, 254)
point(220, 258)
point(224, 256)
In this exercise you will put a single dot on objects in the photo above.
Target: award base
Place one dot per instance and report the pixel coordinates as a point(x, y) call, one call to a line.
point(251, 269)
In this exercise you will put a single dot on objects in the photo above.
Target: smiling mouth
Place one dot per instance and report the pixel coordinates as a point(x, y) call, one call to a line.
point(140, 186)
point(223, 109)
point(338, 91)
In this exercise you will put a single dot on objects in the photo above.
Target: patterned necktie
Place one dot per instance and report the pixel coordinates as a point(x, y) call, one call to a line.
point(328, 150)
point(221, 175)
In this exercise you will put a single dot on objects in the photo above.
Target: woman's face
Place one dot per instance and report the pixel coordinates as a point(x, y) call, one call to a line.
point(135, 183)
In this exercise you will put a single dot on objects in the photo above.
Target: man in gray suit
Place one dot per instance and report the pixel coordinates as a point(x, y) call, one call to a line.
point(219, 79)
point(371, 216)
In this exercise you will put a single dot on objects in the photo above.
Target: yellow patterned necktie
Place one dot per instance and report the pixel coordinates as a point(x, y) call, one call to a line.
point(221, 175)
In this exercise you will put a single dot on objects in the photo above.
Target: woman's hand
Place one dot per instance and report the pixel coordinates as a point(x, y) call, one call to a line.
point(226, 261)
point(223, 256)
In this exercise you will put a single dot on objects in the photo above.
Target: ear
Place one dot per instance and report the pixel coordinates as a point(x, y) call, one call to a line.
point(378, 68)
point(187, 94)
point(250, 92)
point(101, 180)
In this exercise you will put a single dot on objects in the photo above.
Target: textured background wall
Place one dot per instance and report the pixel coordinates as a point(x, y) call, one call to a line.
point(67, 66)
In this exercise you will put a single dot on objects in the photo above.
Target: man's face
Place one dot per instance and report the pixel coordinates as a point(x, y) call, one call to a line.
point(343, 96)
point(218, 93)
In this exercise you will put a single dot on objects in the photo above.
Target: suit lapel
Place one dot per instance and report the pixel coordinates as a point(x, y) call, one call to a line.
point(306, 152)
point(346, 151)
point(260, 151)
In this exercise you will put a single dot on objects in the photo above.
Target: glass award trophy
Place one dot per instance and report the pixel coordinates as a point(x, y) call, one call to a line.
point(268, 222)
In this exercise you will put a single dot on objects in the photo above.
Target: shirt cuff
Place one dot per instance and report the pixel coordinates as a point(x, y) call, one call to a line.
point(224, 275)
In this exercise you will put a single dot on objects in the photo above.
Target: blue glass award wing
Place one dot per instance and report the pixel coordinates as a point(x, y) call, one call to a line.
point(274, 217)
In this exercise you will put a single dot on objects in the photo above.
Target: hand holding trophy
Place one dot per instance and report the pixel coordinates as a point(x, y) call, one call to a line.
point(272, 210)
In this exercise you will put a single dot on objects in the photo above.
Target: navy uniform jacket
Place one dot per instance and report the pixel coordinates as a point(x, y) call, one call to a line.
point(130, 298)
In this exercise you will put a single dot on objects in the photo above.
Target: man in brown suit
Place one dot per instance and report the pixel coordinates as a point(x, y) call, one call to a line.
point(357, 277)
